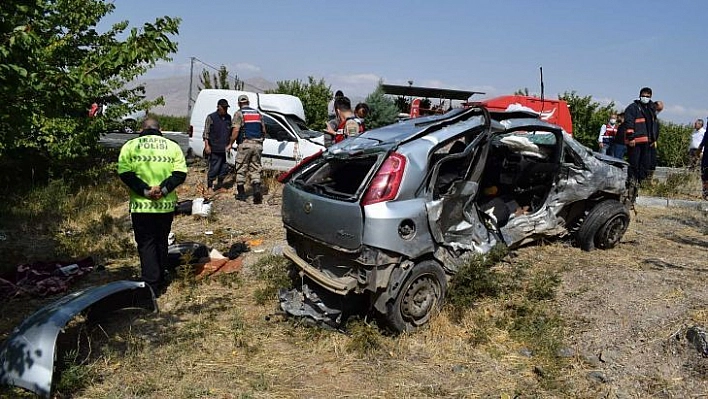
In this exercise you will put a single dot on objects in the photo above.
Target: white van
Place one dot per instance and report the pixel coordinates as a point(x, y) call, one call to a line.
point(287, 141)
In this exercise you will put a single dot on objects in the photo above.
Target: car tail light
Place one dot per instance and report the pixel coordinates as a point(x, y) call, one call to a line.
point(387, 182)
point(285, 176)
point(190, 131)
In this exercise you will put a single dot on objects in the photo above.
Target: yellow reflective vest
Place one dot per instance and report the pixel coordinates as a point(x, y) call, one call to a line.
point(153, 158)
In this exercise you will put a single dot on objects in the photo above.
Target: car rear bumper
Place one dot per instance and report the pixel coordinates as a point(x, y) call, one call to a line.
point(337, 285)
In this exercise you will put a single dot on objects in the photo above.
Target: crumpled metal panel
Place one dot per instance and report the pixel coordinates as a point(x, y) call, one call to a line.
point(576, 183)
point(456, 223)
point(27, 356)
point(305, 303)
point(455, 220)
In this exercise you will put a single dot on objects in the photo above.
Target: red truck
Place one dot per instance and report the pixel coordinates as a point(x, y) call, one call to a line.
point(553, 111)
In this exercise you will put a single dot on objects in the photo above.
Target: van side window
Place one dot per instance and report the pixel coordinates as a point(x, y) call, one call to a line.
point(275, 130)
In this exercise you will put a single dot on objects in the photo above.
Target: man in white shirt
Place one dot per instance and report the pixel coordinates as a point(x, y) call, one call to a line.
point(696, 138)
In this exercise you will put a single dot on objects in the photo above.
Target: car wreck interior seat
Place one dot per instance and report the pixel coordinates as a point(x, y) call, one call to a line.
point(451, 170)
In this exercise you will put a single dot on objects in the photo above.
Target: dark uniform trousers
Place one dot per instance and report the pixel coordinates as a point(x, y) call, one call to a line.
point(151, 234)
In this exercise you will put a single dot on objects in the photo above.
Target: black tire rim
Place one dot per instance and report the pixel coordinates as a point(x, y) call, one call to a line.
point(420, 300)
point(613, 231)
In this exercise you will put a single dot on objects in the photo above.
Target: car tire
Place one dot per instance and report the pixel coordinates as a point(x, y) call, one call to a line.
point(603, 226)
point(419, 298)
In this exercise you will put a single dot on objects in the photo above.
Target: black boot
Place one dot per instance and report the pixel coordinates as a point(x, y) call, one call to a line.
point(257, 196)
point(210, 183)
point(240, 193)
point(219, 183)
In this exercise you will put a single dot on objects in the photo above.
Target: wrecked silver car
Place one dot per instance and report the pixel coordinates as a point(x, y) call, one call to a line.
point(390, 215)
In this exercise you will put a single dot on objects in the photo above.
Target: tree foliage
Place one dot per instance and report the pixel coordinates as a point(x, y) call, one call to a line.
point(220, 80)
point(672, 146)
point(314, 94)
point(588, 117)
point(54, 63)
point(383, 110)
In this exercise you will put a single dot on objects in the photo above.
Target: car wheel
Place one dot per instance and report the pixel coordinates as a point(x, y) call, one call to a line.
point(604, 226)
point(420, 296)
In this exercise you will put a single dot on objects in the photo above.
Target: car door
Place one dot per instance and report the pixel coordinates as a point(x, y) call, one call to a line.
point(453, 214)
point(279, 144)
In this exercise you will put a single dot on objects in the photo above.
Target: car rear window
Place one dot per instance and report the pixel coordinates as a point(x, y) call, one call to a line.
point(338, 178)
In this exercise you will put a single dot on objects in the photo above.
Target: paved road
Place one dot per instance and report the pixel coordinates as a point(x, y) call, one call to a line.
point(116, 140)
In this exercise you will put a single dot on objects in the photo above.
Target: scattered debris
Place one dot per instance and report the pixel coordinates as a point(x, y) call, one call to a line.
point(597, 376)
point(186, 253)
point(306, 304)
point(201, 207)
point(43, 278)
point(699, 338)
point(184, 207)
point(237, 249)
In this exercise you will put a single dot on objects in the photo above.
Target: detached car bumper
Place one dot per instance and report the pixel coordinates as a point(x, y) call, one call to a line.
point(27, 356)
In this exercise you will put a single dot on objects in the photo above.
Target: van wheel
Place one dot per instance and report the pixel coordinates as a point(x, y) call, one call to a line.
point(604, 226)
point(420, 296)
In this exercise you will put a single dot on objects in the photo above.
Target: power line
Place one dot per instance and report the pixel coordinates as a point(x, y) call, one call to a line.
point(227, 74)
point(190, 100)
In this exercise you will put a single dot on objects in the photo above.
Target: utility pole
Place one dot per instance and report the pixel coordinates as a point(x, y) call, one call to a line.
point(191, 76)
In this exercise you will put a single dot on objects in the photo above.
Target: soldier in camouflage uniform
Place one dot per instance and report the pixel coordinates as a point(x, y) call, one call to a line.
point(248, 130)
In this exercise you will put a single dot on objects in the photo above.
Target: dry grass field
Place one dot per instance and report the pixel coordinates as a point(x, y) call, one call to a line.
point(554, 321)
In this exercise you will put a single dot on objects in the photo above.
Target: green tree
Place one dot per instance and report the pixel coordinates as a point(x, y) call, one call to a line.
point(54, 63)
point(588, 116)
point(315, 95)
point(383, 110)
point(672, 146)
point(220, 80)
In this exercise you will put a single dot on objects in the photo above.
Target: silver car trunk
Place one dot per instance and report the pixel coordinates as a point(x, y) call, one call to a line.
point(322, 202)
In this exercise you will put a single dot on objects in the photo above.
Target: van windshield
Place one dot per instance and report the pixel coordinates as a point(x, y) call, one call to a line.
point(297, 124)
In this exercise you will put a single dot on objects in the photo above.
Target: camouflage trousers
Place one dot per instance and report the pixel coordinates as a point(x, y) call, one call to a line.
point(248, 161)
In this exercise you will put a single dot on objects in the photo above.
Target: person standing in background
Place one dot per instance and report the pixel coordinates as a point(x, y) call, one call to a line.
point(699, 131)
point(607, 135)
point(217, 131)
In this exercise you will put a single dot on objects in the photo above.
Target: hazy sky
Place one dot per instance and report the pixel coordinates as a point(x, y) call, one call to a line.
point(607, 49)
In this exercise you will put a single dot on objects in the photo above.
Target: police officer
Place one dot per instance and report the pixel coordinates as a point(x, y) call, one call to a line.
point(152, 166)
point(248, 130)
point(217, 132)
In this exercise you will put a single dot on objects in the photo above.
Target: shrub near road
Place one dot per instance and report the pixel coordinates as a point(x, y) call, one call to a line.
point(556, 322)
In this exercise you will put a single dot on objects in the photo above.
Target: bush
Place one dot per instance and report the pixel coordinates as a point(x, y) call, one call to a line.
point(672, 147)
point(171, 123)
point(476, 279)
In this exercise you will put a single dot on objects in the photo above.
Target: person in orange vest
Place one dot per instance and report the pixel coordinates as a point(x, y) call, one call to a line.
point(607, 135)
point(640, 117)
point(349, 124)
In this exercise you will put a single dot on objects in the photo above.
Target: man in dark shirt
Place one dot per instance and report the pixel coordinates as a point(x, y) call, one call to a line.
point(640, 119)
point(217, 134)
